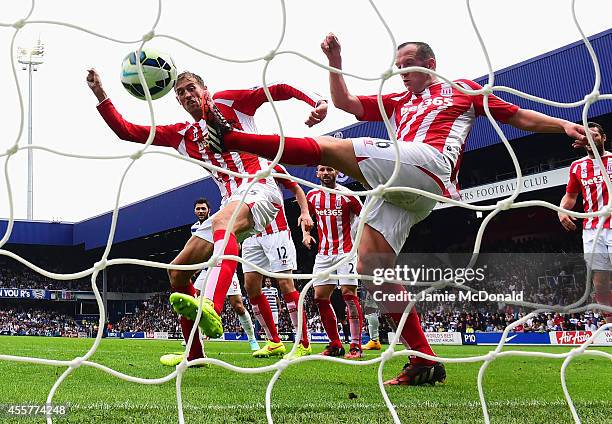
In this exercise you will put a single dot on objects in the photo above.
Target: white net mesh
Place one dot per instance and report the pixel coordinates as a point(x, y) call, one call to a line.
point(281, 365)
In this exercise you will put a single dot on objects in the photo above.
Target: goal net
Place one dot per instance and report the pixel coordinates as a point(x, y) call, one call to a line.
point(394, 349)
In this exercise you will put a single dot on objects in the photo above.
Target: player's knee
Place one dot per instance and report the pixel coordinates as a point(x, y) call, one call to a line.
point(220, 221)
point(325, 144)
point(178, 278)
point(171, 276)
point(321, 295)
point(601, 283)
point(286, 285)
point(349, 290)
point(239, 308)
point(364, 268)
point(253, 290)
point(367, 264)
point(174, 276)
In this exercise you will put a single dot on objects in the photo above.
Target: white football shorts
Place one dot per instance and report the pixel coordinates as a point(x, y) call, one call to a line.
point(234, 288)
point(324, 262)
point(273, 252)
point(421, 166)
point(264, 201)
point(599, 250)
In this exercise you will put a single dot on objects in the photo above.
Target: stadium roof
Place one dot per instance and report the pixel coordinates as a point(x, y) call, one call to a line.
point(551, 75)
point(164, 211)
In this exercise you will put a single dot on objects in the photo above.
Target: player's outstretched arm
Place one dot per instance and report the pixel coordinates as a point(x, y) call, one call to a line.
point(249, 100)
point(568, 202)
point(530, 120)
point(165, 135)
point(341, 97)
point(284, 91)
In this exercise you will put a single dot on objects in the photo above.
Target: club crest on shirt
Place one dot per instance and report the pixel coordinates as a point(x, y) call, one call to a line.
point(583, 171)
point(194, 133)
point(338, 203)
point(609, 166)
point(446, 90)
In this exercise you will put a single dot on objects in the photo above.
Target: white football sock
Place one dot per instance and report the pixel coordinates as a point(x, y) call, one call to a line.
point(373, 325)
point(247, 324)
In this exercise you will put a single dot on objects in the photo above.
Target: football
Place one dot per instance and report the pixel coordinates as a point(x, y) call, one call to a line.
point(158, 69)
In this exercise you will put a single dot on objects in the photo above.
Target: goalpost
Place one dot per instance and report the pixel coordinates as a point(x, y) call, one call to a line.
point(392, 351)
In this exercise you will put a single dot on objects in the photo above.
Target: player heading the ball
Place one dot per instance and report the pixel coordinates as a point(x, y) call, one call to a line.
point(262, 200)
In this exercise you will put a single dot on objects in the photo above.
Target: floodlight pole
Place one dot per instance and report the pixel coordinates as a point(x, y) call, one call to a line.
point(30, 58)
point(30, 156)
point(105, 296)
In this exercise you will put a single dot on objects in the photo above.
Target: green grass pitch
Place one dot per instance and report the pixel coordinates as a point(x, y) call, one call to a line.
point(518, 390)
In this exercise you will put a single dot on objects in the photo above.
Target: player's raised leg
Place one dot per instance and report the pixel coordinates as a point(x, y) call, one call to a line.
point(324, 150)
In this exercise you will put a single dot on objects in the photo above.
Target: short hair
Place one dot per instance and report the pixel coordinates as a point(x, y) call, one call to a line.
point(424, 50)
point(599, 128)
point(200, 201)
point(187, 74)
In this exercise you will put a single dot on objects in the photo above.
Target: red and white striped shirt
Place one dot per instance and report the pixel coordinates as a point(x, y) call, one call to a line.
point(440, 116)
point(237, 106)
point(280, 222)
point(585, 176)
point(335, 216)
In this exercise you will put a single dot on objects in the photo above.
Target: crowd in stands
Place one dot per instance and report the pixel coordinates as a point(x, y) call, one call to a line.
point(25, 278)
point(36, 322)
point(18, 276)
point(154, 314)
point(470, 322)
point(543, 278)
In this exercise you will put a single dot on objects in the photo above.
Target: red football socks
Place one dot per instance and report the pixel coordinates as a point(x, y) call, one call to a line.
point(221, 275)
point(297, 151)
point(329, 321)
point(263, 313)
point(186, 325)
point(413, 335)
point(355, 318)
point(292, 299)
